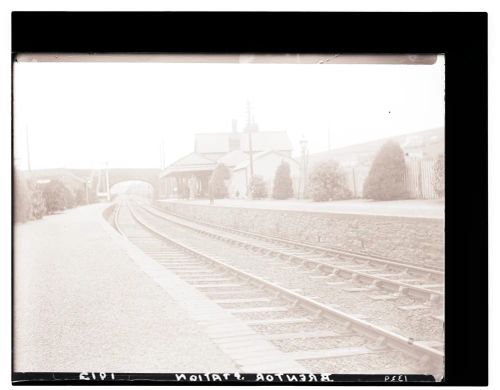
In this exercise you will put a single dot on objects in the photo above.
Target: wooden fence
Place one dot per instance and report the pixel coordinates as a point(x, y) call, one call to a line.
point(418, 178)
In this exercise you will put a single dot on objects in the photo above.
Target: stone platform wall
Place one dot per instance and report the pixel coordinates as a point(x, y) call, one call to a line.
point(415, 240)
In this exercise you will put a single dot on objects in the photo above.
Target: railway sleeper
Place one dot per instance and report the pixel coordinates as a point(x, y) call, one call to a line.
point(378, 345)
point(347, 324)
point(317, 314)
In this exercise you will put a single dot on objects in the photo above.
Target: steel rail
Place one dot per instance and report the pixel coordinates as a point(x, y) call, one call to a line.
point(381, 337)
point(315, 248)
point(375, 281)
point(116, 211)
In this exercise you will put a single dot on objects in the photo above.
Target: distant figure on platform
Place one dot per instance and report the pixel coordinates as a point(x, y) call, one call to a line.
point(211, 192)
point(192, 187)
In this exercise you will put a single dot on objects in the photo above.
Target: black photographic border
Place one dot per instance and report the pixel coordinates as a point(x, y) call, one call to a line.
point(462, 37)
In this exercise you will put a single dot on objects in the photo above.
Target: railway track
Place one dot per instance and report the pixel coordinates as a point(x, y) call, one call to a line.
point(379, 273)
point(416, 316)
point(316, 336)
point(327, 250)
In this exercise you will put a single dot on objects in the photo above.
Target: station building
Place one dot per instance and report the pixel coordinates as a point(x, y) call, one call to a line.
point(189, 176)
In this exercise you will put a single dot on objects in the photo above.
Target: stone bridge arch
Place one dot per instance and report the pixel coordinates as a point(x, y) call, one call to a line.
point(88, 179)
point(151, 176)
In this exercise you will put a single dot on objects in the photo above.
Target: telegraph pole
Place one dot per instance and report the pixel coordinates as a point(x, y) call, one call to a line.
point(249, 130)
point(87, 183)
point(162, 154)
point(107, 182)
point(303, 146)
point(28, 150)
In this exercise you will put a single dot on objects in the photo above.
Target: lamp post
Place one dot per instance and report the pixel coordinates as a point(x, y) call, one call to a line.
point(87, 185)
point(250, 128)
point(108, 196)
point(303, 147)
point(28, 150)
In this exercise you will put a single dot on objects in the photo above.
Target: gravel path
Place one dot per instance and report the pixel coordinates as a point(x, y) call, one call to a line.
point(81, 304)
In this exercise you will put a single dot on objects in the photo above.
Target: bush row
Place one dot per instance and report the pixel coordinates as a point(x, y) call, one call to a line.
point(33, 200)
point(385, 180)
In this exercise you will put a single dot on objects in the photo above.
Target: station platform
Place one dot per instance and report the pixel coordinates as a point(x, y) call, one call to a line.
point(396, 208)
point(82, 304)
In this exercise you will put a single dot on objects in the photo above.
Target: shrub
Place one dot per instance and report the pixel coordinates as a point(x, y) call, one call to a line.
point(22, 198)
point(80, 197)
point(327, 182)
point(57, 196)
point(438, 179)
point(29, 203)
point(385, 180)
point(258, 188)
point(70, 200)
point(38, 208)
point(217, 184)
point(283, 188)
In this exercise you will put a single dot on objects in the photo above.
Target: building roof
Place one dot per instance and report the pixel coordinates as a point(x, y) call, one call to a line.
point(193, 158)
point(188, 168)
point(233, 158)
point(269, 140)
point(259, 155)
point(430, 142)
point(193, 162)
point(230, 148)
point(220, 142)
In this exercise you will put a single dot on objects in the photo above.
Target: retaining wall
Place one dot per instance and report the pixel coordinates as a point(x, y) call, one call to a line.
point(415, 240)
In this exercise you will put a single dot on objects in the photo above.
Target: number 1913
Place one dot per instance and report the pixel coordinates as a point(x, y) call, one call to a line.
point(88, 376)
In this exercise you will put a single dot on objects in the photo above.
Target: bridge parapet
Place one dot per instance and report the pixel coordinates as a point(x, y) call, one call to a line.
point(99, 181)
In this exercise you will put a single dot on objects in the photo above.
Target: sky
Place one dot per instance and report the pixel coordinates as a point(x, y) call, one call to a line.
point(83, 115)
